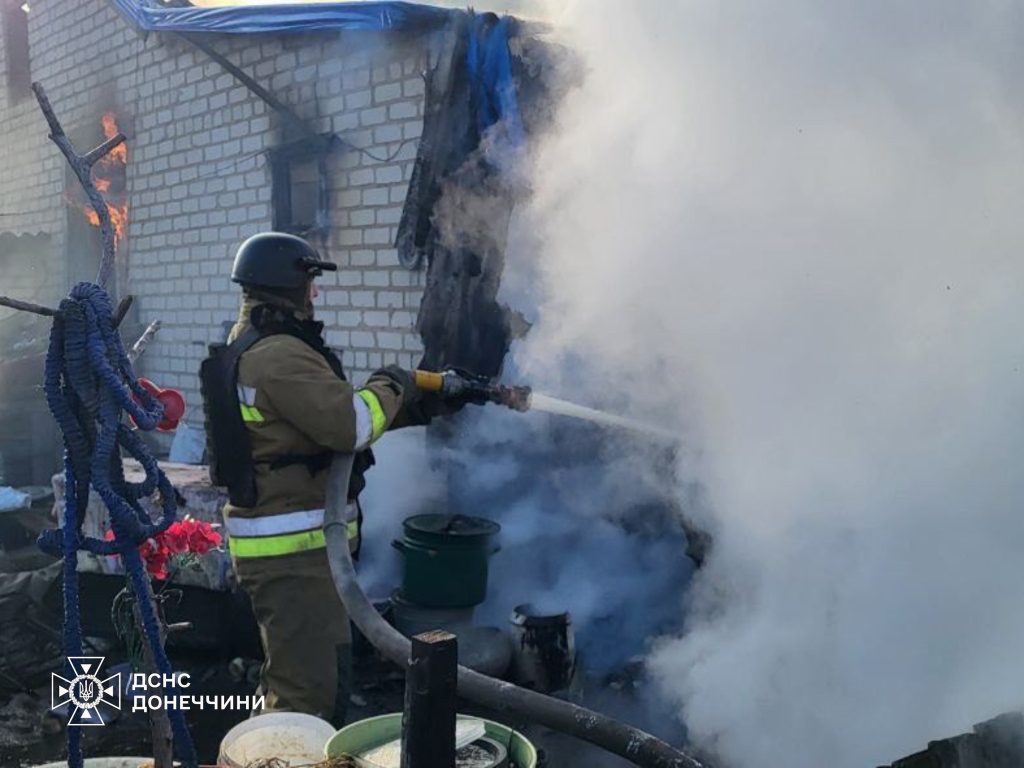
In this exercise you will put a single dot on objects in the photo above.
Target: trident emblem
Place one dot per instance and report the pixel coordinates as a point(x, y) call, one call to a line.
point(85, 691)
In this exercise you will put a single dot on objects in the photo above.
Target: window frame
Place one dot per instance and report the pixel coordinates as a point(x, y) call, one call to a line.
point(282, 159)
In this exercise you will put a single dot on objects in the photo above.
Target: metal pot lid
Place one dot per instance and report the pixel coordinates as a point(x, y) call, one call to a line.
point(451, 525)
point(528, 615)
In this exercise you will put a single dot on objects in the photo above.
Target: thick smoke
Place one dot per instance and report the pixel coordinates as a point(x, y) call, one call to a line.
point(587, 525)
point(791, 231)
point(582, 530)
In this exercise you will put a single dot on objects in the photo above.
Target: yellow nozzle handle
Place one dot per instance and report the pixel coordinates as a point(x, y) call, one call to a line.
point(428, 381)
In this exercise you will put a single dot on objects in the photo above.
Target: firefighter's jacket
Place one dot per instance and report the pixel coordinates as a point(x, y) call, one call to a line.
point(295, 405)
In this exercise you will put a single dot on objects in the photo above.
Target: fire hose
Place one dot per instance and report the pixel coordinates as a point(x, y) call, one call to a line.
point(631, 743)
point(89, 384)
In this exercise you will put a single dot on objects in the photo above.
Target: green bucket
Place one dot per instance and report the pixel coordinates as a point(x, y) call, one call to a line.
point(359, 738)
point(445, 559)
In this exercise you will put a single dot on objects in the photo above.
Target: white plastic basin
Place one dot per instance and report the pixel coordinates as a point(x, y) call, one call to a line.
point(290, 736)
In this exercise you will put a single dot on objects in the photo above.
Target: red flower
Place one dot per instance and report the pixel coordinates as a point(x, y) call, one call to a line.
point(180, 539)
point(155, 555)
point(201, 537)
point(175, 538)
point(156, 566)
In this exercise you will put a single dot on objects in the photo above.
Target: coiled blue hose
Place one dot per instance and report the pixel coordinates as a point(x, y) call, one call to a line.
point(89, 383)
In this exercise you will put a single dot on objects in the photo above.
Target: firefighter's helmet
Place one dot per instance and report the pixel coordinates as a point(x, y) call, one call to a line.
point(277, 260)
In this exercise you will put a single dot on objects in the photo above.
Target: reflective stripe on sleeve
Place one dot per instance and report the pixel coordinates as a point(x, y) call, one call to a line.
point(251, 414)
point(378, 419)
point(364, 422)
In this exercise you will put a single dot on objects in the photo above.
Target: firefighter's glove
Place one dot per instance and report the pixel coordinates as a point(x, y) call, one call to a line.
point(475, 391)
point(402, 382)
point(433, 405)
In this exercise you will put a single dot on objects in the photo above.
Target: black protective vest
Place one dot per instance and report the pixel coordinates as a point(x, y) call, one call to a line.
point(227, 437)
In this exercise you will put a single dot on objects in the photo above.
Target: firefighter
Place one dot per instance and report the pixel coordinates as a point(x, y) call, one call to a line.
point(298, 410)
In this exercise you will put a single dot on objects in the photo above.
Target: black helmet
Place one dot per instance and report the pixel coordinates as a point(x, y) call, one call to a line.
point(277, 260)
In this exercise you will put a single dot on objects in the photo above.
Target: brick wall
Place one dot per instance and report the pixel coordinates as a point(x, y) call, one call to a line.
point(199, 182)
point(30, 176)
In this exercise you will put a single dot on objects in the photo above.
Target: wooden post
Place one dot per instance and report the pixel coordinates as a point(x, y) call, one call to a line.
point(428, 723)
point(159, 720)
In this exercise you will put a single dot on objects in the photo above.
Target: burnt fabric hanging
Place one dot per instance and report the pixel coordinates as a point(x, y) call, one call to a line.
point(461, 194)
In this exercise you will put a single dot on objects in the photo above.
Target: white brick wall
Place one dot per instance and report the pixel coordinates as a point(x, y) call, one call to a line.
point(198, 183)
point(30, 171)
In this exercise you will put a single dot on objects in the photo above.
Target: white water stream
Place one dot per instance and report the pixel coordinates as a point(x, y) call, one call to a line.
point(541, 402)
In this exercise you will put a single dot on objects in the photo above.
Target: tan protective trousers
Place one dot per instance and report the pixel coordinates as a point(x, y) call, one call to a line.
point(305, 633)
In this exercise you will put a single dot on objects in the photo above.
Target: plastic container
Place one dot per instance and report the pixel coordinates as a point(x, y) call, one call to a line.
point(445, 559)
point(357, 738)
point(290, 736)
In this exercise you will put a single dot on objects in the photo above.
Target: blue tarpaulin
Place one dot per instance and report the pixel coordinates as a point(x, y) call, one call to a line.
point(490, 70)
point(247, 19)
point(489, 67)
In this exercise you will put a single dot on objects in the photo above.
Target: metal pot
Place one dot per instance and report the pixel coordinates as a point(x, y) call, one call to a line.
point(412, 619)
point(445, 559)
point(543, 649)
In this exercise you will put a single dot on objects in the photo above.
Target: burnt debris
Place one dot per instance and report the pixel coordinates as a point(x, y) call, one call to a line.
point(995, 743)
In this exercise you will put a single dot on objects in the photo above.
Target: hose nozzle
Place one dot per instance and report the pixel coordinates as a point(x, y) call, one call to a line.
point(457, 383)
point(515, 397)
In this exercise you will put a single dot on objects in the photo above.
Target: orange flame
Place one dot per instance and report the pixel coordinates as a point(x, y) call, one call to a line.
point(118, 219)
point(120, 152)
point(103, 174)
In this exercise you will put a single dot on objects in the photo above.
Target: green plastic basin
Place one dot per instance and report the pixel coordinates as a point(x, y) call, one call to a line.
point(361, 737)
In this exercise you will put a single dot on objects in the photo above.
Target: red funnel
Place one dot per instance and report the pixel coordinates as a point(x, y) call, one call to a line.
point(173, 402)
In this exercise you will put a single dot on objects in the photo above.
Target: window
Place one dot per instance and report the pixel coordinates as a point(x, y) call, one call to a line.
point(305, 190)
point(14, 17)
point(299, 177)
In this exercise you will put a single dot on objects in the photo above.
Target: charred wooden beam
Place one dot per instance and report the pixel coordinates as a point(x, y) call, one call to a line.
point(122, 310)
point(431, 682)
point(82, 166)
point(27, 306)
